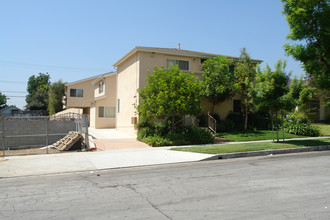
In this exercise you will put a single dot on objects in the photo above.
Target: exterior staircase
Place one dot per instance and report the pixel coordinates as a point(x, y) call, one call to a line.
point(68, 141)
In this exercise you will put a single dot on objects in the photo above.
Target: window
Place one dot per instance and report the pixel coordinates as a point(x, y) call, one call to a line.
point(183, 65)
point(118, 103)
point(107, 112)
point(237, 106)
point(203, 60)
point(101, 84)
point(231, 68)
point(76, 92)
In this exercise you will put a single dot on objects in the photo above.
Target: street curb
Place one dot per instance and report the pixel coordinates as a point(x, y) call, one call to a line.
point(268, 152)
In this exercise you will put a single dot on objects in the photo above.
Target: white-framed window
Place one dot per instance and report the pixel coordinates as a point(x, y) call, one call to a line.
point(76, 92)
point(101, 85)
point(183, 64)
point(118, 105)
point(107, 112)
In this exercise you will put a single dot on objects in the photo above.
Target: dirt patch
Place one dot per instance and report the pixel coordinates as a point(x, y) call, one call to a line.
point(28, 151)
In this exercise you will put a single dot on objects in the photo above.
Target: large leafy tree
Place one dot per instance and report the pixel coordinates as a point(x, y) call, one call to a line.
point(246, 74)
point(271, 91)
point(169, 93)
point(218, 79)
point(56, 93)
point(3, 100)
point(37, 87)
point(309, 22)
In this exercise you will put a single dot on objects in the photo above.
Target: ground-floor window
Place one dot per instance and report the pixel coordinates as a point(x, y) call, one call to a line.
point(107, 112)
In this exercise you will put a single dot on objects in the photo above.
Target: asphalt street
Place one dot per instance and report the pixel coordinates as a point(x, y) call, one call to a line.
point(293, 186)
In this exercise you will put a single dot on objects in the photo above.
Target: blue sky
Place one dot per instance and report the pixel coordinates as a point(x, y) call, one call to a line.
point(73, 39)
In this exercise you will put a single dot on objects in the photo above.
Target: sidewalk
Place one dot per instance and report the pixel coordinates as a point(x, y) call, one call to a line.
point(14, 166)
point(90, 161)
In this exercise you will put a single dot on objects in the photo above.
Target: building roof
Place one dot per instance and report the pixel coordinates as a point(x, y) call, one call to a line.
point(92, 78)
point(12, 107)
point(173, 51)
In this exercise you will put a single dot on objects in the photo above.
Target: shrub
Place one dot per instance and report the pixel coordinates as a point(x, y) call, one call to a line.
point(144, 133)
point(196, 135)
point(143, 123)
point(260, 121)
point(159, 128)
point(299, 124)
point(157, 141)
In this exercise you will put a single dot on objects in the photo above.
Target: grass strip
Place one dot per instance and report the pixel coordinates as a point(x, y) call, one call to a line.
point(254, 135)
point(233, 148)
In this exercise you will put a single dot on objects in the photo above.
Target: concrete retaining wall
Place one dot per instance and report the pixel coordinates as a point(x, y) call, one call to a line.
point(27, 132)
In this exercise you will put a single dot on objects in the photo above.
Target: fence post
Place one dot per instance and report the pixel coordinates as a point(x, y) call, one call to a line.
point(85, 121)
point(2, 136)
point(46, 133)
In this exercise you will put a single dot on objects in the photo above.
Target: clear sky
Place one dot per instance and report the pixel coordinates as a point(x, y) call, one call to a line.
point(76, 39)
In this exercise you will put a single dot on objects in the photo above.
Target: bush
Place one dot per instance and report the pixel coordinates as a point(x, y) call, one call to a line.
point(259, 121)
point(196, 135)
point(159, 128)
point(143, 123)
point(157, 141)
point(299, 124)
point(183, 136)
point(233, 122)
point(144, 133)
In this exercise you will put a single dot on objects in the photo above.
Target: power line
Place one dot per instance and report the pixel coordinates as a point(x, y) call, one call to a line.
point(53, 66)
point(14, 91)
point(15, 82)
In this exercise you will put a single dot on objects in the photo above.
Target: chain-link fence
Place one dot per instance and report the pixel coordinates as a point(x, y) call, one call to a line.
point(32, 135)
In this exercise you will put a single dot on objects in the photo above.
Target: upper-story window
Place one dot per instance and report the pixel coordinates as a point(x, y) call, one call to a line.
point(101, 85)
point(203, 60)
point(183, 64)
point(76, 92)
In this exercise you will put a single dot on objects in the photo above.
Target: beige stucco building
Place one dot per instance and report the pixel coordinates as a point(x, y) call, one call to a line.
point(132, 70)
point(109, 98)
point(95, 96)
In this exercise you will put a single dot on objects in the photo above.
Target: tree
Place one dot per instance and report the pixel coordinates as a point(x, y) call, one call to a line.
point(309, 22)
point(271, 91)
point(218, 79)
point(56, 93)
point(168, 93)
point(37, 98)
point(246, 74)
point(3, 100)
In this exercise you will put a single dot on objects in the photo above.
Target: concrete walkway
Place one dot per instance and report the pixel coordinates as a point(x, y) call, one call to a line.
point(111, 139)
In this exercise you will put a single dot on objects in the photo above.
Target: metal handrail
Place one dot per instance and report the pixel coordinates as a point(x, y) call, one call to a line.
point(212, 123)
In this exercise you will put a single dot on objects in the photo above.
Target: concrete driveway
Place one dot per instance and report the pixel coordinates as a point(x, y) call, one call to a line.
point(111, 139)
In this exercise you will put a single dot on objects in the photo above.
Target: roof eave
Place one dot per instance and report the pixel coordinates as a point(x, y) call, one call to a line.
point(178, 53)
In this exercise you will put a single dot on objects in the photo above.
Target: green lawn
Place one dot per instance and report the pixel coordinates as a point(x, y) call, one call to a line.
point(254, 135)
point(325, 129)
point(232, 148)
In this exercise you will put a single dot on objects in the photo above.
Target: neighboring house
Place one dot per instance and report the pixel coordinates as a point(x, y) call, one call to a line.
point(10, 111)
point(95, 96)
point(319, 112)
point(17, 112)
point(132, 70)
point(109, 98)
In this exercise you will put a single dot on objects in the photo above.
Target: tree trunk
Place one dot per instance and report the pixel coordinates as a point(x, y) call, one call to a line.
point(278, 140)
point(246, 118)
point(283, 125)
point(173, 124)
point(271, 116)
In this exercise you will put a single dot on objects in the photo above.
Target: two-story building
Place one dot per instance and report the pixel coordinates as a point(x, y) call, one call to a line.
point(95, 96)
point(109, 98)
